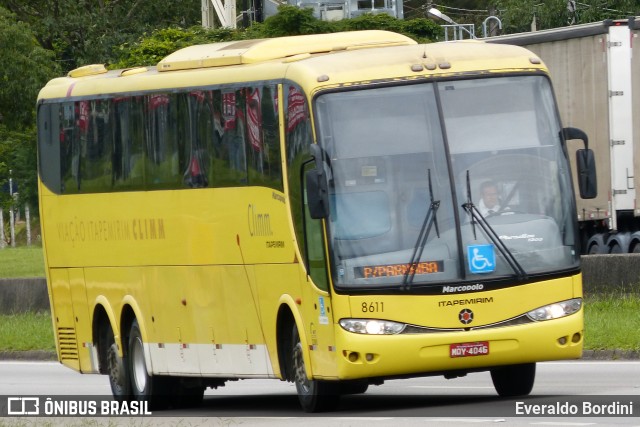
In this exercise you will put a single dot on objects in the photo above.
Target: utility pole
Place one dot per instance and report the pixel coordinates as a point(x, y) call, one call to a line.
point(3, 243)
point(12, 225)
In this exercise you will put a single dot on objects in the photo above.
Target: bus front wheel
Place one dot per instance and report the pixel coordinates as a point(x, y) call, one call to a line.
point(314, 395)
point(144, 387)
point(514, 380)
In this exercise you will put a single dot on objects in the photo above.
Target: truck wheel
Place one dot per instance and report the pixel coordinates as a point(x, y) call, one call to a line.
point(314, 395)
point(514, 380)
point(145, 387)
point(118, 372)
point(615, 249)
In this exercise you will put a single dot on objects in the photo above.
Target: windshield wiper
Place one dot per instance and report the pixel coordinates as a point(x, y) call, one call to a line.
point(476, 216)
point(430, 220)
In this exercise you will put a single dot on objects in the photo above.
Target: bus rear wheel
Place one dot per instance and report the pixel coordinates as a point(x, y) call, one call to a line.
point(514, 380)
point(314, 395)
point(118, 372)
point(145, 387)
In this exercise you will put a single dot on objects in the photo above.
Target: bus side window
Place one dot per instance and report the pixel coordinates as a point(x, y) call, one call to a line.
point(167, 130)
point(199, 161)
point(95, 146)
point(49, 140)
point(229, 163)
point(69, 148)
point(263, 142)
point(128, 171)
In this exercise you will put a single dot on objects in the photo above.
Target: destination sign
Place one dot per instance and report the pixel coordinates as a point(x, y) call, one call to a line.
point(394, 270)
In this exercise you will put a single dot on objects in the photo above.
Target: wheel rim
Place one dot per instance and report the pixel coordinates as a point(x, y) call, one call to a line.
point(138, 368)
point(115, 370)
point(302, 382)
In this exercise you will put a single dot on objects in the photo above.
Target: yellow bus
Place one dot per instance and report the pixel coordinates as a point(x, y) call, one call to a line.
point(310, 209)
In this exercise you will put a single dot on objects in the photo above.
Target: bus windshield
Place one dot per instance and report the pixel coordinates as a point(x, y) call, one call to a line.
point(448, 181)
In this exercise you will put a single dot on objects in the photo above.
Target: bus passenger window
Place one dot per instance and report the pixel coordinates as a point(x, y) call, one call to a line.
point(199, 163)
point(263, 150)
point(229, 163)
point(167, 127)
point(95, 141)
point(68, 157)
point(49, 145)
point(128, 170)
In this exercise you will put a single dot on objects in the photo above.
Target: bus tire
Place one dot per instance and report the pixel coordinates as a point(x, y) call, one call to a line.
point(314, 395)
point(514, 380)
point(145, 387)
point(118, 372)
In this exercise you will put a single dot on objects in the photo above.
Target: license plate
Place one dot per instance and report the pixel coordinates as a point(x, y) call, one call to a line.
point(466, 349)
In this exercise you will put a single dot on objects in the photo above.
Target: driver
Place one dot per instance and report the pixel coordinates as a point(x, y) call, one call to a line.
point(489, 200)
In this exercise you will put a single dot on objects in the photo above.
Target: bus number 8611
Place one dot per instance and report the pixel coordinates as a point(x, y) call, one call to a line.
point(372, 307)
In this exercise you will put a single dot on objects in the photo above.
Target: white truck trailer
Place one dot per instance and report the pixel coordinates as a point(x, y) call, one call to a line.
point(595, 70)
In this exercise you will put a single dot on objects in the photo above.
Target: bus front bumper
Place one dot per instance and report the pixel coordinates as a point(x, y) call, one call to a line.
point(406, 355)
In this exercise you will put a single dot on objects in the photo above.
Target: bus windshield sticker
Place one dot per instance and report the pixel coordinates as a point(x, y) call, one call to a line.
point(482, 258)
point(394, 270)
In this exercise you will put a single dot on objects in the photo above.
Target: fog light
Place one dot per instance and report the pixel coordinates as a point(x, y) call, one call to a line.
point(576, 338)
point(353, 357)
point(562, 341)
point(369, 357)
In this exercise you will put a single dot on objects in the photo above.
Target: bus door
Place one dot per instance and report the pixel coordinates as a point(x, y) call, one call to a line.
point(317, 304)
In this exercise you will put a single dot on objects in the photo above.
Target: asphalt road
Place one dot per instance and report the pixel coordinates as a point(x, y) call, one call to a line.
point(418, 401)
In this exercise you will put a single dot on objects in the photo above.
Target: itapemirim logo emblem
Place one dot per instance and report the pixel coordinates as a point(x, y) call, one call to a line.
point(465, 316)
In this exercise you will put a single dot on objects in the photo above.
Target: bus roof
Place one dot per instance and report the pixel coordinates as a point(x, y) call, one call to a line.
point(261, 50)
point(313, 61)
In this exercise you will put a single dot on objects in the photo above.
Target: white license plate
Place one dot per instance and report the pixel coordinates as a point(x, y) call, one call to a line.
point(466, 349)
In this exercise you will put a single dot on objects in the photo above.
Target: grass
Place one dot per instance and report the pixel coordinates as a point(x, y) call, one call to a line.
point(611, 322)
point(26, 331)
point(22, 261)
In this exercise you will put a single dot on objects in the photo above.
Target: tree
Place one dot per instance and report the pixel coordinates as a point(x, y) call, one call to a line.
point(82, 32)
point(149, 50)
point(18, 156)
point(290, 21)
point(519, 15)
point(26, 68)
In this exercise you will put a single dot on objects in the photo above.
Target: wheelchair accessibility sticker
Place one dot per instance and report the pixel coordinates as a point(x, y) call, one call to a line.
point(482, 258)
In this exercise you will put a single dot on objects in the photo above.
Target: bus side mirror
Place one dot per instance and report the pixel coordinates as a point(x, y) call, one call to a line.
point(316, 186)
point(587, 181)
point(585, 163)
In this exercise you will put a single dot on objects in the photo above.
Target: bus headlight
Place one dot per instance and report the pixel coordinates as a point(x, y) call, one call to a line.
point(554, 311)
point(372, 326)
